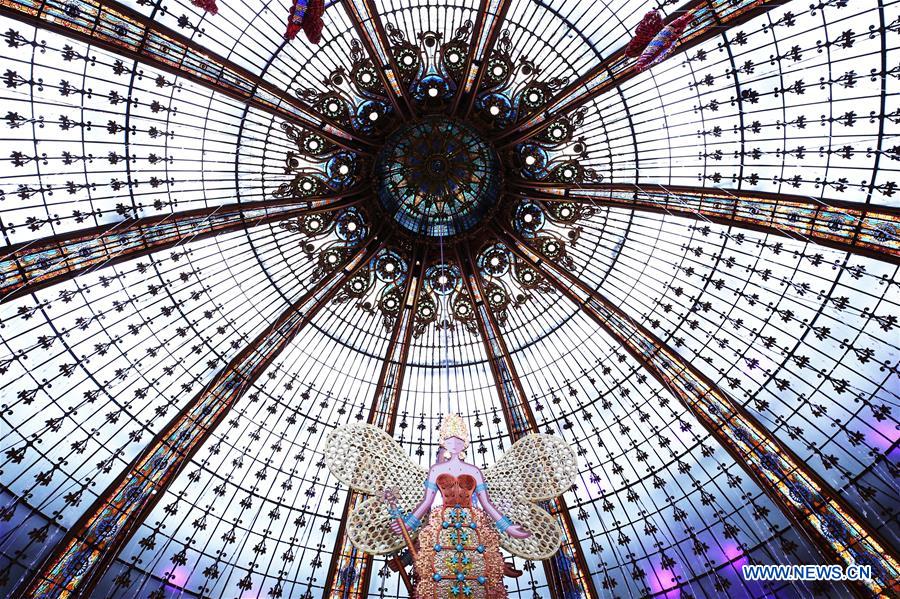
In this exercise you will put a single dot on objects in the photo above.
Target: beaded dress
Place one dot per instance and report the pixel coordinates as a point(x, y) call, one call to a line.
point(459, 548)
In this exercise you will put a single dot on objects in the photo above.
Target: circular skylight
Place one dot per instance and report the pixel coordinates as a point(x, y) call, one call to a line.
point(437, 177)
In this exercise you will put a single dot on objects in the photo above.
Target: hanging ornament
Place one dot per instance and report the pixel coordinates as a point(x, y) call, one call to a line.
point(312, 24)
point(662, 46)
point(207, 5)
point(306, 15)
point(646, 30)
point(295, 18)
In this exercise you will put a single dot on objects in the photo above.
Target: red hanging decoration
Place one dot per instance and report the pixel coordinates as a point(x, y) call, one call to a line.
point(646, 30)
point(295, 19)
point(313, 23)
point(306, 15)
point(662, 46)
point(207, 5)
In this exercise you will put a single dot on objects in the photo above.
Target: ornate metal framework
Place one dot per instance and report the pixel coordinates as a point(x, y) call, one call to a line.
point(813, 504)
point(82, 557)
point(114, 26)
point(29, 266)
point(558, 219)
point(847, 226)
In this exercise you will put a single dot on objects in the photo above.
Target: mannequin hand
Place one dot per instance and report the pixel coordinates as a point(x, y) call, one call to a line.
point(518, 532)
point(395, 528)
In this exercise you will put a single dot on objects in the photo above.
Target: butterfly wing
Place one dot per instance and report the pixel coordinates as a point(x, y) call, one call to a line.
point(539, 467)
point(368, 527)
point(368, 460)
point(536, 468)
point(545, 532)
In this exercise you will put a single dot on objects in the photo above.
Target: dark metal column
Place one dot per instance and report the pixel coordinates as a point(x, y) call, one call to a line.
point(350, 569)
point(565, 575)
point(368, 25)
point(489, 23)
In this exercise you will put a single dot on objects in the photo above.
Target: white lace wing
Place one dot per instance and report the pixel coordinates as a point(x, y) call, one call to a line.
point(368, 460)
point(536, 468)
point(545, 532)
point(540, 467)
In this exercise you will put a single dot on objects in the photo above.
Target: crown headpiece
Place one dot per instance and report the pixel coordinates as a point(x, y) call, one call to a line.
point(454, 426)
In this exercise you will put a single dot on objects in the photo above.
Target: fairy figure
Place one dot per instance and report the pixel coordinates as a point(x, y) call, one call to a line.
point(456, 544)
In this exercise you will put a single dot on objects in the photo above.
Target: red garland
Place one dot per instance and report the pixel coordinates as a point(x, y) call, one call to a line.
point(306, 15)
point(295, 19)
point(207, 5)
point(646, 30)
point(313, 23)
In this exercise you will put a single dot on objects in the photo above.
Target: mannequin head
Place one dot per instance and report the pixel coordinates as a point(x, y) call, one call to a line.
point(454, 445)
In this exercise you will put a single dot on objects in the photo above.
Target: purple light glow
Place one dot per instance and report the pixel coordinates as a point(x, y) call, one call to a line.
point(662, 581)
point(883, 436)
point(178, 577)
point(734, 554)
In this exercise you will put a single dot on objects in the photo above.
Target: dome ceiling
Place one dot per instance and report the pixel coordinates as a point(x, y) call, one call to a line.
point(219, 246)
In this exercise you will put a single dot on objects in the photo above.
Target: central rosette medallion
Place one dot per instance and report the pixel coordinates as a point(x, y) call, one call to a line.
point(437, 177)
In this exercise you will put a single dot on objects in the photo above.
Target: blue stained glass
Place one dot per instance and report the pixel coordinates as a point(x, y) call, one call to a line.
point(437, 177)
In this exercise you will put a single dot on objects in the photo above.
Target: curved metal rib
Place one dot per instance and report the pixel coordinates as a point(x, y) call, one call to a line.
point(858, 228)
point(566, 577)
point(383, 414)
point(807, 500)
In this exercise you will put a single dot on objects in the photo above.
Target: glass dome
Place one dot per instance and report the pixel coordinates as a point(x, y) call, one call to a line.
point(221, 245)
